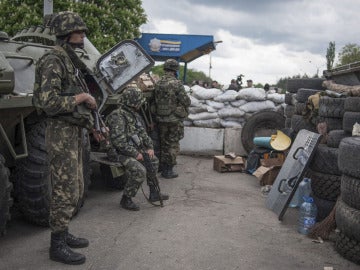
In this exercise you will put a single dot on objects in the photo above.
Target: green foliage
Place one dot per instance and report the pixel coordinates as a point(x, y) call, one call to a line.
point(330, 55)
point(109, 21)
point(191, 75)
point(349, 53)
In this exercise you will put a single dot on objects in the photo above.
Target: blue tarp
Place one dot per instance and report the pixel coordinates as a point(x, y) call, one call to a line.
point(183, 48)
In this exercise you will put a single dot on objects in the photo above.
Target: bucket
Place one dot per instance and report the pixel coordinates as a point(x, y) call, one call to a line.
point(280, 141)
point(263, 142)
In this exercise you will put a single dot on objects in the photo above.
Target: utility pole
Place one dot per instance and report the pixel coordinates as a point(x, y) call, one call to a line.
point(210, 65)
point(48, 7)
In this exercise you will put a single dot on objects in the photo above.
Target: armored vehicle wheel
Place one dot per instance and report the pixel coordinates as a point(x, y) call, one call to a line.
point(5, 198)
point(32, 179)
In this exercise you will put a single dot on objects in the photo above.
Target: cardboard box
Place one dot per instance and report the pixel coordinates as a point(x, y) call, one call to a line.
point(224, 164)
point(267, 175)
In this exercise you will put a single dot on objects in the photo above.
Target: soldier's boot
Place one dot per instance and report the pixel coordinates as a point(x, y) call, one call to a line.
point(127, 203)
point(76, 242)
point(168, 172)
point(161, 167)
point(61, 252)
point(154, 195)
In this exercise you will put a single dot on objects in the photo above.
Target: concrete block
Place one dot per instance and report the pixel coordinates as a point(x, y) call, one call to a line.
point(202, 141)
point(232, 141)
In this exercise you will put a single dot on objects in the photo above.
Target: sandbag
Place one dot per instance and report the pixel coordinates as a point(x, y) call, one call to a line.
point(202, 116)
point(229, 95)
point(252, 94)
point(208, 123)
point(216, 105)
point(230, 112)
point(238, 103)
point(276, 97)
point(226, 124)
point(256, 106)
point(204, 93)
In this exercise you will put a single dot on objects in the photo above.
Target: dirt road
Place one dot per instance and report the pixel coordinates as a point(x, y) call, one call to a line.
point(213, 221)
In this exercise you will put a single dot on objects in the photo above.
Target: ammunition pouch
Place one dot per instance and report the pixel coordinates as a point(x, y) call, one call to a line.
point(181, 112)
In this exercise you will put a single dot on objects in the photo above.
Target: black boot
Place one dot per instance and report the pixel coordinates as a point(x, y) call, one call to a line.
point(154, 195)
point(168, 172)
point(76, 242)
point(128, 204)
point(61, 252)
point(161, 167)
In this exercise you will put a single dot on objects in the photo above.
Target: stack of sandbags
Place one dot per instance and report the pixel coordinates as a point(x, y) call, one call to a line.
point(214, 108)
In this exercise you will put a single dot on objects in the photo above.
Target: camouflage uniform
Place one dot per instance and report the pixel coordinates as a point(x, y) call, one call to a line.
point(171, 108)
point(124, 122)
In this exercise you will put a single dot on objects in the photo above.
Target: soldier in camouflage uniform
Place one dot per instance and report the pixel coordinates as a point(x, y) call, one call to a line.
point(60, 97)
point(171, 108)
point(124, 123)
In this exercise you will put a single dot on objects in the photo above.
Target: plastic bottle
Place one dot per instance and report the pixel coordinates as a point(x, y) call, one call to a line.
point(307, 215)
point(304, 189)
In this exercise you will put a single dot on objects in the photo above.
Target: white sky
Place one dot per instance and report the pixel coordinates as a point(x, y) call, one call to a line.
point(263, 39)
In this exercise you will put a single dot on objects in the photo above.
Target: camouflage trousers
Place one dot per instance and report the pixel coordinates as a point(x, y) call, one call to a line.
point(170, 135)
point(135, 172)
point(64, 146)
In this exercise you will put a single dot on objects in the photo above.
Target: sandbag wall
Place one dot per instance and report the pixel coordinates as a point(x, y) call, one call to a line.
point(214, 108)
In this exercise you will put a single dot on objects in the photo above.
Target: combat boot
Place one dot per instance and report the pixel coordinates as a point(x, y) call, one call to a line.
point(168, 172)
point(154, 195)
point(76, 242)
point(61, 252)
point(161, 167)
point(127, 203)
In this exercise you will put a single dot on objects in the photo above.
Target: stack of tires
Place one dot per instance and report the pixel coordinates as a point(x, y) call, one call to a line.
point(298, 91)
point(348, 206)
point(323, 169)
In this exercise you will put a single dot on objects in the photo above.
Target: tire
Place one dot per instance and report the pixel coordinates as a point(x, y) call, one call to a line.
point(348, 247)
point(325, 186)
point(348, 220)
point(32, 178)
point(298, 122)
point(5, 195)
point(289, 111)
point(350, 118)
point(110, 181)
point(351, 104)
point(300, 108)
point(331, 107)
point(289, 99)
point(313, 83)
point(303, 94)
point(350, 191)
point(332, 123)
point(349, 158)
point(324, 207)
point(335, 136)
point(264, 123)
point(325, 160)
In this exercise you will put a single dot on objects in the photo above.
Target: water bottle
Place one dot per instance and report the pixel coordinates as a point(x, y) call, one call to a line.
point(304, 189)
point(307, 215)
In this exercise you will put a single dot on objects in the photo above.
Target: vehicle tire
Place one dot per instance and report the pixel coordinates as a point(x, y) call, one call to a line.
point(350, 118)
point(350, 191)
point(331, 107)
point(300, 108)
point(348, 220)
point(32, 178)
point(303, 94)
point(289, 111)
point(325, 186)
point(348, 247)
point(264, 123)
point(349, 158)
point(293, 85)
point(5, 195)
point(298, 123)
point(325, 160)
point(324, 207)
point(335, 136)
point(351, 104)
point(332, 123)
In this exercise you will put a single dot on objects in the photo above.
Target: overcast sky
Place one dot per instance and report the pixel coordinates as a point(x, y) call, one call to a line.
point(263, 39)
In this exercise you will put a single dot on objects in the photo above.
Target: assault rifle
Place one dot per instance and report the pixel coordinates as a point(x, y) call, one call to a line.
point(150, 169)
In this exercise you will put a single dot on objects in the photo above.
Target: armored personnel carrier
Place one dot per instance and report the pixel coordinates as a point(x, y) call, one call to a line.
point(24, 169)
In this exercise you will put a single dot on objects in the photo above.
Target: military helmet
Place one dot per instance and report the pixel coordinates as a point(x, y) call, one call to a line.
point(132, 97)
point(66, 22)
point(171, 64)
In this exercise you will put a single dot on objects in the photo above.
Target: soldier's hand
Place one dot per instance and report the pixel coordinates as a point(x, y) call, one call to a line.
point(86, 98)
point(139, 157)
point(150, 153)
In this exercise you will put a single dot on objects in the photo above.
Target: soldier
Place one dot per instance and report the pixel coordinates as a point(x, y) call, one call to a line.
point(59, 95)
point(171, 108)
point(124, 122)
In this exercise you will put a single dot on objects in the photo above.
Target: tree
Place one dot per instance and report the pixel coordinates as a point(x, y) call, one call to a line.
point(109, 21)
point(330, 55)
point(349, 53)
